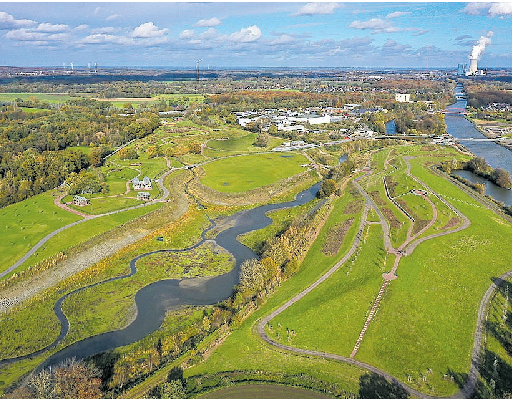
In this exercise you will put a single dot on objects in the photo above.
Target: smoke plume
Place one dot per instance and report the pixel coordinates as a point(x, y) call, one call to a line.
point(480, 46)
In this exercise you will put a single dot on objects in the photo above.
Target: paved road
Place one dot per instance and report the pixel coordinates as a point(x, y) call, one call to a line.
point(408, 248)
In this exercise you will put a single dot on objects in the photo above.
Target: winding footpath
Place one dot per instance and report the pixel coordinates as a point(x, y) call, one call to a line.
point(7, 303)
point(405, 249)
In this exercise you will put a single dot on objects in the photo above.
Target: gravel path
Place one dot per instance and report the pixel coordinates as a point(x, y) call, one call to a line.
point(405, 249)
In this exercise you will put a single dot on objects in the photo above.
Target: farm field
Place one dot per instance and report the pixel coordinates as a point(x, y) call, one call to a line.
point(46, 97)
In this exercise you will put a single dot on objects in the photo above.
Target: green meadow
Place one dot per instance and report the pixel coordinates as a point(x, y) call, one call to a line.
point(24, 224)
point(424, 327)
point(243, 173)
point(46, 97)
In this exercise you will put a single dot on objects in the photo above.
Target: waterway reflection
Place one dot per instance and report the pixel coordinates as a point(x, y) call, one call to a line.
point(495, 155)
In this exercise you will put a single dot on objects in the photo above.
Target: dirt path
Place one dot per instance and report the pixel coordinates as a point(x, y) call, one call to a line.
point(14, 296)
point(405, 249)
point(57, 202)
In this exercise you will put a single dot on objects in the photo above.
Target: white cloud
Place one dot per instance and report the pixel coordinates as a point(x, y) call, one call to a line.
point(111, 17)
point(105, 29)
point(97, 11)
point(491, 9)
point(46, 27)
point(246, 35)
point(375, 24)
point(25, 35)
point(282, 39)
point(500, 9)
point(317, 8)
point(187, 34)
point(103, 38)
point(208, 22)
point(396, 14)
point(395, 46)
point(209, 34)
point(8, 21)
point(82, 27)
point(148, 30)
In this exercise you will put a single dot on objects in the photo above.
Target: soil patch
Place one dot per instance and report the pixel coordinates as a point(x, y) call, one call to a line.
point(353, 207)
point(377, 198)
point(419, 224)
point(451, 223)
point(335, 237)
point(394, 223)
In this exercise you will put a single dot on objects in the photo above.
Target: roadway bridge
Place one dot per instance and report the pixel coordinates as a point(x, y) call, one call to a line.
point(455, 111)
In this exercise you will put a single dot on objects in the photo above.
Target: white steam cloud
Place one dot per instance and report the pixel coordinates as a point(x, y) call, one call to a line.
point(480, 46)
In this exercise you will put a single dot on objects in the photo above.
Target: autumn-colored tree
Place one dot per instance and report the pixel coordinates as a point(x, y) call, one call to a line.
point(127, 153)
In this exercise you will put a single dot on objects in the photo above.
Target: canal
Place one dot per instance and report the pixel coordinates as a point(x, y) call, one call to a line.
point(495, 155)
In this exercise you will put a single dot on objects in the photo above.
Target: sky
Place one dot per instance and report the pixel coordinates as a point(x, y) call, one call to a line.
point(257, 34)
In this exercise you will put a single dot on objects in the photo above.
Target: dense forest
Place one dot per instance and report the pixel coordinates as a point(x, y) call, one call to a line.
point(34, 146)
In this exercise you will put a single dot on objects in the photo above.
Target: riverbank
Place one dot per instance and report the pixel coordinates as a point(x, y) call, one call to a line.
point(493, 130)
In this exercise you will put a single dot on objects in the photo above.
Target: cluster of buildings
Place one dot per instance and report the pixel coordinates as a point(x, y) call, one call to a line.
point(498, 107)
point(140, 185)
point(292, 121)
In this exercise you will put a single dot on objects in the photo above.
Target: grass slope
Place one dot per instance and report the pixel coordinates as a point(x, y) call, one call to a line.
point(25, 223)
point(239, 174)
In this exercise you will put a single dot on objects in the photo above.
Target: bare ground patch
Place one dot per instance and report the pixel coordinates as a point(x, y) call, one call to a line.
point(393, 221)
point(454, 221)
point(353, 207)
point(336, 236)
point(377, 198)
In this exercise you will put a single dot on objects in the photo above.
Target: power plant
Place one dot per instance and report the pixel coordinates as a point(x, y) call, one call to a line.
point(476, 52)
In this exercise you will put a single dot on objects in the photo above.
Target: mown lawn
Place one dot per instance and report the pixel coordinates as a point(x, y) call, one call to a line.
point(25, 223)
point(261, 391)
point(244, 143)
point(330, 318)
point(239, 174)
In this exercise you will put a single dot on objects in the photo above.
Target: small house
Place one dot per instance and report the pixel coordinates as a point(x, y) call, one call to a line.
point(144, 196)
point(80, 201)
point(144, 184)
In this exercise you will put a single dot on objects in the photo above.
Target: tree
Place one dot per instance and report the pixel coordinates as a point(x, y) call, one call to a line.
point(501, 177)
point(128, 153)
point(478, 165)
point(153, 151)
point(327, 189)
point(168, 390)
point(262, 140)
point(194, 148)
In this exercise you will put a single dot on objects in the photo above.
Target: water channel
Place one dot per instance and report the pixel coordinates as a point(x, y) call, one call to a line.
point(154, 300)
point(495, 155)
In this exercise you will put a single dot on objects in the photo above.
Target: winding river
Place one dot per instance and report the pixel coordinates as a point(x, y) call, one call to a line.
point(154, 300)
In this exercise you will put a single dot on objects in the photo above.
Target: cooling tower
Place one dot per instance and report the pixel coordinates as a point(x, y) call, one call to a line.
point(473, 65)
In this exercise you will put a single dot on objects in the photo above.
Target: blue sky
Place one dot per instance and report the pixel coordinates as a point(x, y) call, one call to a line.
point(244, 34)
